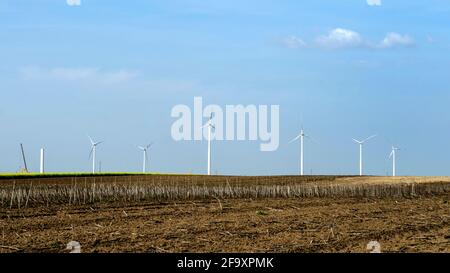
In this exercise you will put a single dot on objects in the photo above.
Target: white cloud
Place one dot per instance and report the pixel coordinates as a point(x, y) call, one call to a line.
point(73, 2)
point(294, 42)
point(86, 74)
point(374, 2)
point(393, 39)
point(340, 38)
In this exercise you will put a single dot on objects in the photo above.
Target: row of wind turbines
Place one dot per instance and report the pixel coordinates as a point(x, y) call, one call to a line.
point(361, 143)
point(210, 126)
point(302, 136)
point(94, 145)
point(145, 149)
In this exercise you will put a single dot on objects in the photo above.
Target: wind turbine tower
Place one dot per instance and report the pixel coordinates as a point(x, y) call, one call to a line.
point(41, 167)
point(361, 144)
point(210, 127)
point(145, 149)
point(92, 153)
point(302, 136)
point(393, 156)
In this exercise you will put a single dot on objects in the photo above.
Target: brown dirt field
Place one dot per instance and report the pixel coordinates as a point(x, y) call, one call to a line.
point(420, 224)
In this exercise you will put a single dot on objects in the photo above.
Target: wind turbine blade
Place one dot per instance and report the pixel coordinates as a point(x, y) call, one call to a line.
point(141, 148)
point(357, 141)
point(92, 142)
point(150, 145)
point(392, 153)
point(369, 138)
point(90, 154)
point(97, 143)
point(297, 137)
point(312, 139)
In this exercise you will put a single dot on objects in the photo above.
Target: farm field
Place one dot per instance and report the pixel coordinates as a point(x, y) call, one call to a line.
point(157, 213)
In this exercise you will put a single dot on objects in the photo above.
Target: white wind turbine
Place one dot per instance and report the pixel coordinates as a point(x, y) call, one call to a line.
point(361, 143)
point(145, 149)
point(301, 136)
point(393, 156)
point(210, 126)
point(92, 153)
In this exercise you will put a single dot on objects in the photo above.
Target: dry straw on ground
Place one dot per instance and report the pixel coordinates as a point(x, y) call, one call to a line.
point(87, 190)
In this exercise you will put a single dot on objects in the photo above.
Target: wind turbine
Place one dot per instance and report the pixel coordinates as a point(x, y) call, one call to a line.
point(144, 149)
point(392, 155)
point(361, 143)
point(301, 136)
point(92, 153)
point(209, 125)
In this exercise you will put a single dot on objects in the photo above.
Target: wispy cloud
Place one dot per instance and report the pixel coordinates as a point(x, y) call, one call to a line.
point(84, 74)
point(73, 2)
point(374, 2)
point(341, 38)
point(294, 42)
point(431, 39)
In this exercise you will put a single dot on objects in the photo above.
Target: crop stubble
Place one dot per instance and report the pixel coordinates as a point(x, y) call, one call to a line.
point(413, 222)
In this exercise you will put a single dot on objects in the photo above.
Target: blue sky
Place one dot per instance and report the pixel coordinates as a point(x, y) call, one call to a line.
point(114, 69)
